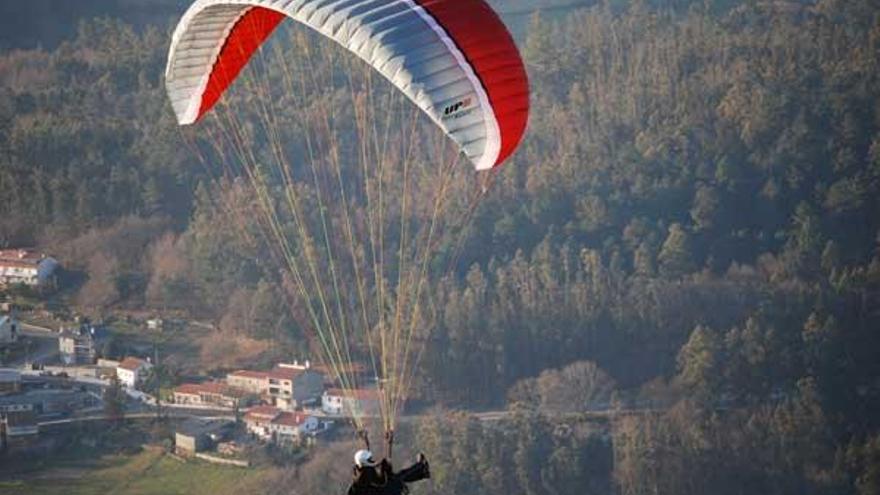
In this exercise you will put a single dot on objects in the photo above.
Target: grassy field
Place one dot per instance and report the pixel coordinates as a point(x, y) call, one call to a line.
point(147, 473)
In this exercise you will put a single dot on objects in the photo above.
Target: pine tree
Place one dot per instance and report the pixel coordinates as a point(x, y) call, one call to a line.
point(643, 260)
point(805, 240)
point(699, 363)
point(675, 255)
point(151, 197)
point(706, 205)
point(830, 257)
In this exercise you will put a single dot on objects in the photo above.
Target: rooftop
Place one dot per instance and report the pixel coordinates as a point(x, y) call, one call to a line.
point(21, 258)
point(218, 388)
point(132, 363)
point(260, 375)
point(20, 254)
point(263, 412)
point(290, 419)
point(280, 373)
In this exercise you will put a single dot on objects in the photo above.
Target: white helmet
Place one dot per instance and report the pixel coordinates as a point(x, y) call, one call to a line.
point(364, 458)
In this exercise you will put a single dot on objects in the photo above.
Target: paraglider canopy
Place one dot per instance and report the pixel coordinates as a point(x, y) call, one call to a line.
point(350, 210)
point(453, 58)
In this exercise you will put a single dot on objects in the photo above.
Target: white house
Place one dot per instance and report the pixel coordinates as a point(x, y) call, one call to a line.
point(132, 371)
point(292, 426)
point(257, 419)
point(24, 266)
point(272, 424)
point(8, 330)
point(358, 402)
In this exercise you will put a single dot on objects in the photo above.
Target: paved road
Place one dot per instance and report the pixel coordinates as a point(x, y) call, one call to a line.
point(128, 416)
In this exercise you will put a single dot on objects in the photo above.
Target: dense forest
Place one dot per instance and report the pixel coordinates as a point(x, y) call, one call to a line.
point(688, 236)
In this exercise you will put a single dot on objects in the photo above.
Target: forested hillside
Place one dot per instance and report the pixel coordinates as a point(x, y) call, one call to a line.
point(697, 216)
point(690, 232)
point(680, 172)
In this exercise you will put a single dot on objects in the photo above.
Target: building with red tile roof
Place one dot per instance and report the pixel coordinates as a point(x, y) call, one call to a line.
point(263, 412)
point(132, 371)
point(272, 424)
point(28, 267)
point(216, 394)
point(286, 385)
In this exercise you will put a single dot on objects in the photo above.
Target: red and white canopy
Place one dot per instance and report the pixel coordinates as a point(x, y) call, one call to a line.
point(453, 58)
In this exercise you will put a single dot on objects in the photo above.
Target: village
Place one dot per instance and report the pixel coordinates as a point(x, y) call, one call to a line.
point(52, 379)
